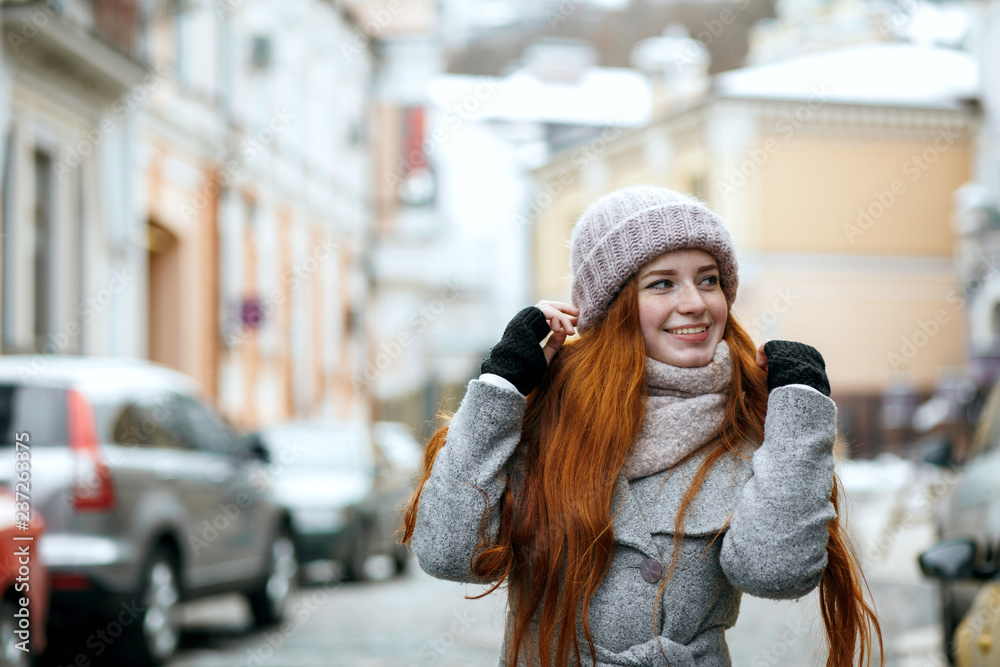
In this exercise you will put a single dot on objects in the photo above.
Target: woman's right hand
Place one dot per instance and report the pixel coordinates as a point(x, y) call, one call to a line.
point(561, 318)
point(519, 356)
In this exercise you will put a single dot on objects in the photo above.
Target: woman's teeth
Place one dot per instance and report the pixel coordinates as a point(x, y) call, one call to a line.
point(693, 330)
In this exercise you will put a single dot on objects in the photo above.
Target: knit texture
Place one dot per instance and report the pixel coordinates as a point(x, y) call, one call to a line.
point(518, 357)
point(684, 412)
point(621, 231)
point(789, 362)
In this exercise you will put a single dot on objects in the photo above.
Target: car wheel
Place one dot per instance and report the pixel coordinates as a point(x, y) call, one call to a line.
point(270, 601)
point(156, 635)
point(359, 556)
point(402, 560)
point(10, 655)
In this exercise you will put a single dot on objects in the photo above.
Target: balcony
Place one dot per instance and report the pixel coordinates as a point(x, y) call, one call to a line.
point(99, 43)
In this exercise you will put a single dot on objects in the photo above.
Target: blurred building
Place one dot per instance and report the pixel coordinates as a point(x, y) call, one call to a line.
point(835, 173)
point(800, 27)
point(72, 78)
point(188, 181)
point(811, 26)
point(257, 166)
point(977, 205)
point(415, 291)
point(451, 253)
point(442, 188)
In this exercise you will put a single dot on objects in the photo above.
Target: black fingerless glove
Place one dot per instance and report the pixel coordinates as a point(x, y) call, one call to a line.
point(795, 363)
point(518, 357)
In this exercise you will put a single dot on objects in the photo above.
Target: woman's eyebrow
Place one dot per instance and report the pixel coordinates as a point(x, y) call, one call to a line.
point(671, 272)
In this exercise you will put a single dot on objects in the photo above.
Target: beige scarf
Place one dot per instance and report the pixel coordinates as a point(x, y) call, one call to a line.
point(684, 412)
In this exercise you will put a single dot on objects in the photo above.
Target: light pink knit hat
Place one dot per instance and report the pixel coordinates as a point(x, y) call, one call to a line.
point(626, 228)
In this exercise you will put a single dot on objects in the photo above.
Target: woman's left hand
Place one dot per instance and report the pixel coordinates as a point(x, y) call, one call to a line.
point(762, 357)
point(793, 363)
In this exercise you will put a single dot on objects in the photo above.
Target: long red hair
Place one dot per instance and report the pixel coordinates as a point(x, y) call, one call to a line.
point(555, 542)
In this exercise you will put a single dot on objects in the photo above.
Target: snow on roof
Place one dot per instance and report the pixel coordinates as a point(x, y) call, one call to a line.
point(601, 96)
point(893, 73)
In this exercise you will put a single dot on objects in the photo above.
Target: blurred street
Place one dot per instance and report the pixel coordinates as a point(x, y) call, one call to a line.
point(418, 620)
point(252, 253)
point(411, 620)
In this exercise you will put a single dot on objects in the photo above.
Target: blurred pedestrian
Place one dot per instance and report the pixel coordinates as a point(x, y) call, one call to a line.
point(628, 484)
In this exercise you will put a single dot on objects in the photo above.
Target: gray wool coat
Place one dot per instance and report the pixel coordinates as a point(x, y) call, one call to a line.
point(774, 545)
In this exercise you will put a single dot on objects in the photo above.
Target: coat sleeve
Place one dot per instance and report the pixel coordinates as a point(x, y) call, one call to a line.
point(481, 438)
point(775, 546)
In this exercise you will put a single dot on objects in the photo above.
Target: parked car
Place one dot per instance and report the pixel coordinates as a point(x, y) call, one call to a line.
point(958, 560)
point(977, 638)
point(968, 522)
point(342, 482)
point(149, 499)
point(21, 640)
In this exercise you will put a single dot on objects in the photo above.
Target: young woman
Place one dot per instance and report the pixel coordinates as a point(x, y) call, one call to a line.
point(628, 485)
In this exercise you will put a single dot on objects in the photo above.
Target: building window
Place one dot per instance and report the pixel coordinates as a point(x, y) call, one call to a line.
point(42, 251)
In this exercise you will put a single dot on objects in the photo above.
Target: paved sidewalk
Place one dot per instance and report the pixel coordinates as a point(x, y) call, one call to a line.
point(417, 620)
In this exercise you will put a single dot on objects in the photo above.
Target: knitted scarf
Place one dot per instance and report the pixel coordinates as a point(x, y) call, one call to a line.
point(684, 412)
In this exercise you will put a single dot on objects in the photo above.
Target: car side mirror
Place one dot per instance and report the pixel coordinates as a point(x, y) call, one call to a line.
point(253, 447)
point(949, 560)
point(938, 453)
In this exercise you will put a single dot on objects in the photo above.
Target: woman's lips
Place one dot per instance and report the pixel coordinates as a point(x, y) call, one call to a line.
point(691, 338)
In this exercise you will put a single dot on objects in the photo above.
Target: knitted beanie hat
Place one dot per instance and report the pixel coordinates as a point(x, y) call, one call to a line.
point(626, 228)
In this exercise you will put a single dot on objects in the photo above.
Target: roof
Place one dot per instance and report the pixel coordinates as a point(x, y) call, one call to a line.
point(602, 96)
point(884, 74)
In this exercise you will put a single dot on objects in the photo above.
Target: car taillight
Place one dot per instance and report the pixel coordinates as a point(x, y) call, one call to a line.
point(92, 488)
point(69, 582)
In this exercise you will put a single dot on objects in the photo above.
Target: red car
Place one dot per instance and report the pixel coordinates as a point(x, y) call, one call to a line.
point(24, 585)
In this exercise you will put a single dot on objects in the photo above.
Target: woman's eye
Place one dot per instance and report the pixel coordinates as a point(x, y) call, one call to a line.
point(663, 283)
point(712, 280)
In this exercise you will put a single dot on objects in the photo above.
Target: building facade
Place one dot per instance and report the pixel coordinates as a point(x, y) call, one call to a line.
point(977, 204)
point(188, 182)
point(74, 78)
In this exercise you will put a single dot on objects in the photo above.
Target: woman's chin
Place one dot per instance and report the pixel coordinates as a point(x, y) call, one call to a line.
point(684, 358)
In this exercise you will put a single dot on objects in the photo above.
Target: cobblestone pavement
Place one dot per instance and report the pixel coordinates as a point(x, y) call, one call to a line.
point(409, 621)
point(416, 620)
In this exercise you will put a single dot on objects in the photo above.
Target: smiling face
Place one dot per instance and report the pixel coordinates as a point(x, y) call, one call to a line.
point(682, 309)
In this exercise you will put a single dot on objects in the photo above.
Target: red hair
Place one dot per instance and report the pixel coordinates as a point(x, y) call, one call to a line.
point(555, 541)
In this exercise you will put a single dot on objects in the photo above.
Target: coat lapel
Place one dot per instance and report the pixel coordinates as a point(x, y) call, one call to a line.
point(660, 496)
point(628, 522)
point(650, 504)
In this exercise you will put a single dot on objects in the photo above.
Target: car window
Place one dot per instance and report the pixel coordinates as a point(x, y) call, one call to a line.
point(203, 426)
point(149, 423)
point(39, 411)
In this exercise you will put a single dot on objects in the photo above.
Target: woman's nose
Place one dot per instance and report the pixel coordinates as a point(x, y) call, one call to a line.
point(691, 300)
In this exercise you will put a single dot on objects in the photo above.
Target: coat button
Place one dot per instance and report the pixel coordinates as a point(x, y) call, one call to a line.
point(651, 570)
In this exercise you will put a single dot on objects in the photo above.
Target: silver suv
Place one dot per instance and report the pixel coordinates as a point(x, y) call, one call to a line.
point(968, 522)
point(149, 497)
